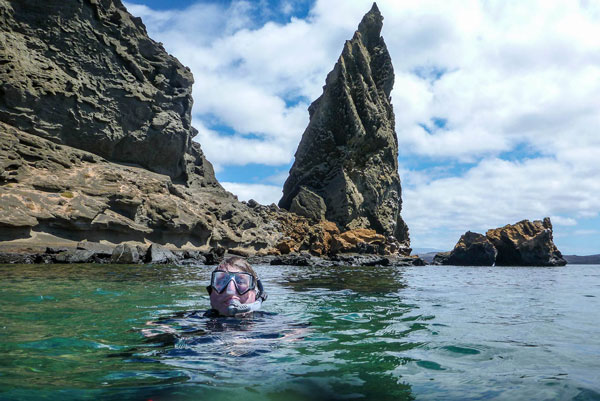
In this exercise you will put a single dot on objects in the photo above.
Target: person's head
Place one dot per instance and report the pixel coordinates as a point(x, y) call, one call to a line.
point(233, 279)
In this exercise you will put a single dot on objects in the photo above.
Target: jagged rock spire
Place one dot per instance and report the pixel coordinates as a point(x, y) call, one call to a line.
point(348, 155)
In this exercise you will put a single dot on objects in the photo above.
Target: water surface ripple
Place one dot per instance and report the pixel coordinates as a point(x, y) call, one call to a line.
point(76, 332)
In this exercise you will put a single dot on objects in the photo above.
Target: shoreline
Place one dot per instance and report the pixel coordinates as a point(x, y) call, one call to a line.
point(98, 253)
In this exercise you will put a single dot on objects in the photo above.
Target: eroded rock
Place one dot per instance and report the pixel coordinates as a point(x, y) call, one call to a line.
point(86, 74)
point(348, 153)
point(526, 243)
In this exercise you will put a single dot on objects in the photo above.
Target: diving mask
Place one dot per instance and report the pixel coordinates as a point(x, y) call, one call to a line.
point(243, 282)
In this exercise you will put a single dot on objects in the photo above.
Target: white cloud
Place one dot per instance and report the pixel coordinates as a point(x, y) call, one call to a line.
point(263, 194)
point(498, 192)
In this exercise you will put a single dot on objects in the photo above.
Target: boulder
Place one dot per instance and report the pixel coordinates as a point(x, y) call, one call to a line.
point(526, 243)
point(125, 253)
point(348, 155)
point(74, 256)
point(472, 249)
point(101, 250)
point(158, 254)
point(308, 204)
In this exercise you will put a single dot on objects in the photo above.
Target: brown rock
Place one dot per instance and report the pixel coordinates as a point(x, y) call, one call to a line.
point(526, 243)
point(360, 240)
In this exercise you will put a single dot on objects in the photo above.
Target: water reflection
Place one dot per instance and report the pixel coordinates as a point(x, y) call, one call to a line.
point(360, 279)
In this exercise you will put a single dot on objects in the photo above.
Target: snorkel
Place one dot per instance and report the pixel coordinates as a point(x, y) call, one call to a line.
point(237, 308)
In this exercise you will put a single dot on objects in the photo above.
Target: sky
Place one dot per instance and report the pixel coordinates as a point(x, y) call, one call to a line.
point(497, 103)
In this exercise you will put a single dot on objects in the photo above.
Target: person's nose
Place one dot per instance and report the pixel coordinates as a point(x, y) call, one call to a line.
point(230, 288)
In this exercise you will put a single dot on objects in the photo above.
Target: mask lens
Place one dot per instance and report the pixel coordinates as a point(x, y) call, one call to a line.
point(244, 282)
point(220, 279)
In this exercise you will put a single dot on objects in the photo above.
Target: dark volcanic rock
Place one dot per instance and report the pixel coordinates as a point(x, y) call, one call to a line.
point(526, 244)
point(86, 74)
point(472, 249)
point(99, 249)
point(348, 153)
point(125, 253)
point(159, 254)
point(75, 256)
point(309, 204)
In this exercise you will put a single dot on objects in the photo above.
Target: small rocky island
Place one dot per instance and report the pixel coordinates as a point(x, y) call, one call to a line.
point(97, 162)
point(524, 243)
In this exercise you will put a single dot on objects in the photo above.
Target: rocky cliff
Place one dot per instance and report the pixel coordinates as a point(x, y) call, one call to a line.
point(346, 167)
point(96, 140)
point(85, 74)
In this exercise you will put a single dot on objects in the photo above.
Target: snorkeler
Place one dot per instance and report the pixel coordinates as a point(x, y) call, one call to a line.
point(235, 292)
point(235, 289)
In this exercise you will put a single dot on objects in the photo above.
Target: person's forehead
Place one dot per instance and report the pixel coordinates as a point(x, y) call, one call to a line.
point(230, 268)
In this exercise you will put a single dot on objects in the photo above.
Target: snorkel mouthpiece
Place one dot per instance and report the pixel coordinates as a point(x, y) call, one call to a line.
point(236, 308)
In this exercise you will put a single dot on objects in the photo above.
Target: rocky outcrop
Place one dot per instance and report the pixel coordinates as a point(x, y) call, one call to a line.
point(85, 74)
point(526, 243)
point(346, 167)
point(472, 249)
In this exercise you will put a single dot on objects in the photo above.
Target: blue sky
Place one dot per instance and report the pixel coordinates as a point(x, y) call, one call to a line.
point(496, 102)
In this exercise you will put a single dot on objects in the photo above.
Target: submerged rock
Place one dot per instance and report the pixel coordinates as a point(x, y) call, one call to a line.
point(473, 249)
point(347, 158)
point(526, 243)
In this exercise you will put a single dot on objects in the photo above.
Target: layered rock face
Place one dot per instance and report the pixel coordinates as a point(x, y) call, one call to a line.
point(346, 167)
point(472, 249)
point(55, 195)
point(526, 243)
point(85, 74)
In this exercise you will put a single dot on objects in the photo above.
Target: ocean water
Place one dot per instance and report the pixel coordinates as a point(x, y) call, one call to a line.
point(78, 332)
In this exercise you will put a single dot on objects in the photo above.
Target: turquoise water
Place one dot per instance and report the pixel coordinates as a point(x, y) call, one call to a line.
point(452, 333)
